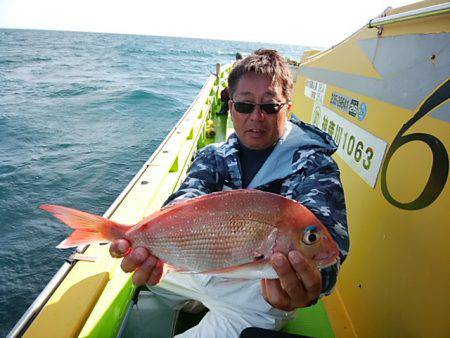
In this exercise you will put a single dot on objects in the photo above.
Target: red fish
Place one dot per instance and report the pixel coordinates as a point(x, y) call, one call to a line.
point(231, 233)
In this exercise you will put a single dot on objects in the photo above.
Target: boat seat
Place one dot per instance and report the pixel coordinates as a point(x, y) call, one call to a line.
point(149, 317)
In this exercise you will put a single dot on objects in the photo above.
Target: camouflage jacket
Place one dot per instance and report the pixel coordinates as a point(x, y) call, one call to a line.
point(300, 167)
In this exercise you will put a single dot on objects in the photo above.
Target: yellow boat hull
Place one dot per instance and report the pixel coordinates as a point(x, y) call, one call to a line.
point(383, 96)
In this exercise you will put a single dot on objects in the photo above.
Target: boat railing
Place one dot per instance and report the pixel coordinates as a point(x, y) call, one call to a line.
point(410, 15)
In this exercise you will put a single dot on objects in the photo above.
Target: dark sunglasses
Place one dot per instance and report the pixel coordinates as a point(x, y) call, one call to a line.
point(268, 108)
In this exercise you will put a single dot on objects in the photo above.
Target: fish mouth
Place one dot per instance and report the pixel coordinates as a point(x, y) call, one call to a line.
point(324, 260)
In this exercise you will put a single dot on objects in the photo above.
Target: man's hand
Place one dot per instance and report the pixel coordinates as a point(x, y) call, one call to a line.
point(298, 285)
point(148, 269)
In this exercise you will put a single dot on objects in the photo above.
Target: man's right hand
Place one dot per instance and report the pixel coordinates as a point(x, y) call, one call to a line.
point(148, 269)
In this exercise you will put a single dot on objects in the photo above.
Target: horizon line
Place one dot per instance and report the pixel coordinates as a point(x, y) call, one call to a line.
point(164, 36)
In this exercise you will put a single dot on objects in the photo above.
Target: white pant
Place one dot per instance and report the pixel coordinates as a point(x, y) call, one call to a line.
point(234, 304)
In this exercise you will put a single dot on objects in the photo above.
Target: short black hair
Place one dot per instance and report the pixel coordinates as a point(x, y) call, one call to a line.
point(265, 62)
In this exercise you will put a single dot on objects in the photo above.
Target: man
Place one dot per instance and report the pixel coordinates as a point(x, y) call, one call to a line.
point(269, 153)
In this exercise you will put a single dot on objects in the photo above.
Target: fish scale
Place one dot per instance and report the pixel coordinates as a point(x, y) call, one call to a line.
point(183, 248)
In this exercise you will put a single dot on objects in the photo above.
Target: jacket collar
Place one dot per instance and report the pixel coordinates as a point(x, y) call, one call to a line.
point(297, 137)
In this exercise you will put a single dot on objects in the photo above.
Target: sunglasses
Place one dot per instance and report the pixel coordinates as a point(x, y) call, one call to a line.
point(268, 108)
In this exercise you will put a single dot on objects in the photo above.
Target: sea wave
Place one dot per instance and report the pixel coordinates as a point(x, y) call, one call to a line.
point(138, 96)
point(40, 58)
point(74, 90)
point(6, 169)
point(9, 61)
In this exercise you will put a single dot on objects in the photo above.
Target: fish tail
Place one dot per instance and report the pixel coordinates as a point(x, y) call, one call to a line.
point(89, 228)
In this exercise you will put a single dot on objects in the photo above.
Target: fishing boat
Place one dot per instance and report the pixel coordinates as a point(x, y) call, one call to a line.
point(382, 94)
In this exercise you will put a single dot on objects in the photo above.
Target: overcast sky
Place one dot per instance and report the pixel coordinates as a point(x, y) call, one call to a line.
point(318, 23)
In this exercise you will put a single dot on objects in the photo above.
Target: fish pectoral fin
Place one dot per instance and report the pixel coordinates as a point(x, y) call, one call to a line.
point(258, 256)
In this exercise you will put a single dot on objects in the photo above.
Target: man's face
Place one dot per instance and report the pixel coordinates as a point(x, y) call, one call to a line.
point(258, 130)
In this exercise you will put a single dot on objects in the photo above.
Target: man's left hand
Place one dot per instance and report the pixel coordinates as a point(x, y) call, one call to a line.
point(299, 283)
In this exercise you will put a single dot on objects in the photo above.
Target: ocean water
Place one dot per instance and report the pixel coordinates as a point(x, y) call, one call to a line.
point(79, 115)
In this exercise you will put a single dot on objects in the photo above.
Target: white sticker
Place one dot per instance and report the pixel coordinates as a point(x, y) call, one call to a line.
point(315, 90)
point(361, 150)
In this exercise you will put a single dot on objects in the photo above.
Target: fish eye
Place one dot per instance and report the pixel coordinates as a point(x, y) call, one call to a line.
point(311, 235)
